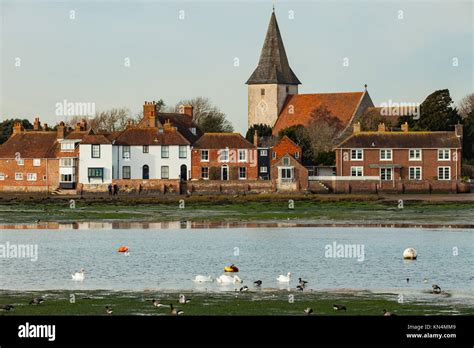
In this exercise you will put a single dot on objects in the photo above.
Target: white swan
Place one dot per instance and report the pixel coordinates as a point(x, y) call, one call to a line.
point(202, 279)
point(79, 276)
point(227, 279)
point(284, 279)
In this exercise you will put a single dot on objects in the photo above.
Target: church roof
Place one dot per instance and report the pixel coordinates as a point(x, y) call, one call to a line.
point(273, 66)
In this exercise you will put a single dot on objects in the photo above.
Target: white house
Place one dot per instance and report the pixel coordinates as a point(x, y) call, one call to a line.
point(95, 160)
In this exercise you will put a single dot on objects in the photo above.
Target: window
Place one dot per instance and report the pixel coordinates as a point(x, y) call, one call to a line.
point(204, 155)
point(414, 155)
point(286, 173)
point(286, 161)
point(385, 154)
point(31, 176)
point(36, 162)
point(165, 151)
point(414, 173)
point(263, 169)
point(18, 176)
point(66, 162)
point(66, 177)
point(165, 172)
point(274, 155)
point(444, 155)
point(146, 149)
point(263, 153)
point(126, 172)
point(242, 173)
point(357, 154)
point(193, 130)
point(242, 155)
point(2, 176)
point(444, 173)
point(205, 173)
point(183, 151)
point(67, 146)
point(297, 155)
point(287, 89)
point(386, 174)
point(262, 91)
point(95, 151)
point(224, 155)
point(95, 172)
point(126, 152)
point(357, 171)
point(20, 161)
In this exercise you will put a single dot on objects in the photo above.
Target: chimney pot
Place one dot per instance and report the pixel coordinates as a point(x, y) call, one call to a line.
point(187, 110)
point(405, 127)
point(356, 128)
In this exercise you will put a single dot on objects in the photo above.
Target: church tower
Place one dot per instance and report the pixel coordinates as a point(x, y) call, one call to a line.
point(272, 81)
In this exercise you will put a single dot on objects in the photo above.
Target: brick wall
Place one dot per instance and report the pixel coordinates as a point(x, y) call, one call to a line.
point(132, 186)
point(47, 175)
point(283, 147)
point(230, 187)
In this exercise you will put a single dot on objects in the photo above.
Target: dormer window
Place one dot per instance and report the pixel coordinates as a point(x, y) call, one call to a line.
point(67, 146)
point(193, 130)
point(262, 92)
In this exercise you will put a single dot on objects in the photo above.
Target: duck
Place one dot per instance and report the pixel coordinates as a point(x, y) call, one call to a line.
point(157, 303)
point(300, 288)
point(175, 311)
point(408, 280)
point(388, 314)
point(308, 311)
point(258, 283)
point(302, 282)
point(244, 288)
point(37, 301)
point(6, 307)
point(108, 310)
point(226, 279)
point(338, 307)
point(202, 279)
point(436, 289)
point(183, 299)
point(284, 279)
point(79, 276)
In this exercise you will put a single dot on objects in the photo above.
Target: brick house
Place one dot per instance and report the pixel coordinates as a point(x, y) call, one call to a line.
point(285, 146)
point(27, 160)
point(401, 157)
point(288, 174)
point(224, 156)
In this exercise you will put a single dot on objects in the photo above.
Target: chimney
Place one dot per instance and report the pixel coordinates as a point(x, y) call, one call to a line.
point(458, 130)
point(45, 126)
point(83, 124)
point(405, 127)
point(36, 125)
point(17, 128)
point(187, 110)
point(149, 113)
point(382, 127)
point(255, 138)
point(356, 128)
point(60, 130)
point(78, 126)
point(129, 123)
point(167, 126)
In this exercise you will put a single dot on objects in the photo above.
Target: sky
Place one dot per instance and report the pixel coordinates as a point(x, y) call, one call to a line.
point(121, 53)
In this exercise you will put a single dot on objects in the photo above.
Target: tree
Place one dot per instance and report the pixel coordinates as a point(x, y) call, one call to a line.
point(436, 113)
point(263, 130)
point(468, 136)
point(6, 128)
point(466, 105)
point(372, 117)
point(208, 117)
point(300, 136)
point(110, 120)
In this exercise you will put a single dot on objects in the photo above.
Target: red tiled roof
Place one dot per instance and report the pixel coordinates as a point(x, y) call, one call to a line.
point(95, 139)
point(76, 135)
point(150, 136)
point(31, 144)
point(222, 141)
point(299, 107)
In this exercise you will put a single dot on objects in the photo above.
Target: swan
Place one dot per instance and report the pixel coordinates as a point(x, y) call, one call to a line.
point(226, 279)
point(284, 279)
point(79, 276)
point(202, 279)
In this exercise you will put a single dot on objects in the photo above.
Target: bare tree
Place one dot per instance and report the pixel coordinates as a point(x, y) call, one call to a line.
point(110, 120)
point(466, 105)
point(323, 130)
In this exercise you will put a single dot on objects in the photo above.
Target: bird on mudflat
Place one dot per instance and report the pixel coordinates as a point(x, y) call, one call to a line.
point(258, 282)
point(302, 282)
point(6, 307)
point(300, 288)
point(175, 311)
point(338, 307)
point(388, 314)
point(436, 289)
point(37, 301)
point(183, 299)
point(244, 288)
point(308, 311)
point(108, 310)
point(157, 303)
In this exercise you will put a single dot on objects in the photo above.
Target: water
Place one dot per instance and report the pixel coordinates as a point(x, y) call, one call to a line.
point(168, 259)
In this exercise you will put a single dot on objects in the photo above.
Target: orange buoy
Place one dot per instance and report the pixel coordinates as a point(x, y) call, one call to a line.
point(232, 268)
point(122, 249)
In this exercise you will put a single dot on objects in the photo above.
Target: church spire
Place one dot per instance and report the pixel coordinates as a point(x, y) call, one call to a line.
point(273, 66)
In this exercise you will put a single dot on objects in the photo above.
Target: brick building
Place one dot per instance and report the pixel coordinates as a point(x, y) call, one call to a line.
point(288, 174)
point(285, 146)
point(224, 156)
point(401, 156)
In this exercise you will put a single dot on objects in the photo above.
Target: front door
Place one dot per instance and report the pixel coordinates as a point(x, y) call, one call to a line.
point(184, 172)
point(225, 173)
point(145, 172)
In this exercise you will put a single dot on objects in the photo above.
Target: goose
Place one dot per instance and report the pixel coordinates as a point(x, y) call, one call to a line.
point(108, 310)
point(226, 279)
point(175, 311)
point(258, 282)
point(79, 276)
point(37, 301)
point(436, 289)
point(338, 307)
point(388, 314)
point(202, 279)
point(302, 282)
point(308, 311)
point(183, 299)
point(244, 288)
point(284, 279)
point(157, 303)
point(300, 288)
point(6, 307)
point(37, 221)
